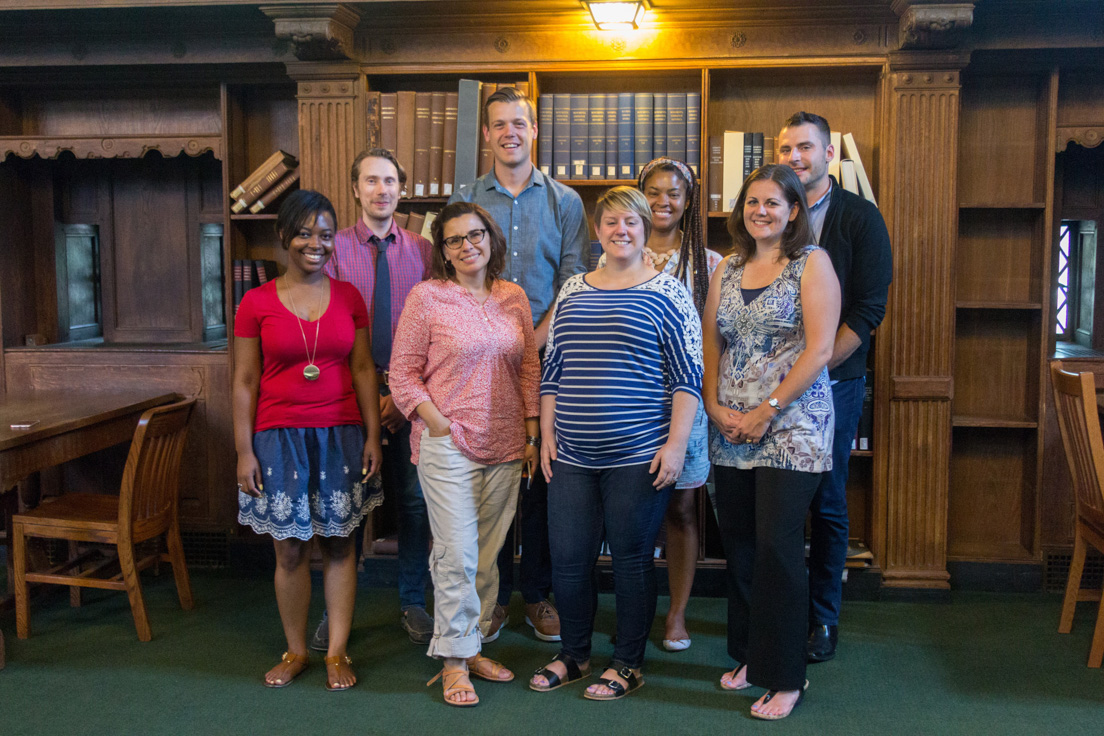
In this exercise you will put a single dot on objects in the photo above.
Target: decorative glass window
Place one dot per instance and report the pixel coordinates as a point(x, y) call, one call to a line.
point(1063, 281)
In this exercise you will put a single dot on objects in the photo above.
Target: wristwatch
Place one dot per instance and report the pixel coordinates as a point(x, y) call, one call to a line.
point(531, 440)
point(773, 403)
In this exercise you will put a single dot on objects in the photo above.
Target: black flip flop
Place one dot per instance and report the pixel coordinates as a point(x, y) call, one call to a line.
point(767, 698)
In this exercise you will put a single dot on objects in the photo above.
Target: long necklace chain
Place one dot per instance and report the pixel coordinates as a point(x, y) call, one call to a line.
point(311, 371)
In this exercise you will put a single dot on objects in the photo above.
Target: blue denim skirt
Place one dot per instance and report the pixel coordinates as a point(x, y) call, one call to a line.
point(312, 483)
point(695, 469)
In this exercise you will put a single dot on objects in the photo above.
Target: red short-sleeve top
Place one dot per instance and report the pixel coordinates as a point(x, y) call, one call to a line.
point(286, 398)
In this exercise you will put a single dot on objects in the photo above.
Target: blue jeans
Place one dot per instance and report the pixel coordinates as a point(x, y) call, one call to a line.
point(828, 545)
point(401, 476)
point(581, 503)
point(535, 569)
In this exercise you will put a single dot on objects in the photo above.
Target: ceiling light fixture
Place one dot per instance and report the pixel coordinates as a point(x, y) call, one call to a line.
point(616, 16)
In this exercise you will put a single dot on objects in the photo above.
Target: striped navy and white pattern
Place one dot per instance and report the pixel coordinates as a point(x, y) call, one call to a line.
point(614, 359)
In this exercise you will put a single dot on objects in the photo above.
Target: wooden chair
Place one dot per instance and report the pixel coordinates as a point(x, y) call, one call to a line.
point(145, 508)
point(1079, 422)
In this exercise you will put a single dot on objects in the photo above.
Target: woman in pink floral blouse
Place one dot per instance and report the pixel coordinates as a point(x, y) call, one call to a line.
point(464, 369)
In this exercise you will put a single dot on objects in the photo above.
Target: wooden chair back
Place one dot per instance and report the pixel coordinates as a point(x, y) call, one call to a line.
point(1079, 424)
point(149, 492)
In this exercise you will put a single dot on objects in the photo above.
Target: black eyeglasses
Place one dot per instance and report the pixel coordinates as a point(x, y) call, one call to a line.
point(475, 237)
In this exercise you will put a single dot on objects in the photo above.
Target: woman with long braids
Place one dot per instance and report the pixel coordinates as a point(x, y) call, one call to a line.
point(677, 247)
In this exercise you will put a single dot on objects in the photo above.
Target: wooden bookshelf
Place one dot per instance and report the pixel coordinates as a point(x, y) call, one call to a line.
point(959, 143)
point(1004, 313)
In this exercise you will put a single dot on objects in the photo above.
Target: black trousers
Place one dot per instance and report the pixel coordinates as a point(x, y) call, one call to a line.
point(761, 513)
point(535, 569)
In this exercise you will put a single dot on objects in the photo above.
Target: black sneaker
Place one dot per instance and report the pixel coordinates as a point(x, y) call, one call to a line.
point(418, 624)
point(321, 640)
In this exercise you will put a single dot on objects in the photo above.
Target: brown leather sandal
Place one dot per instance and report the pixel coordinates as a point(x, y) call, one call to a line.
point(296, 664)
point(455, 681)
point(487, 669)
point(337, 662)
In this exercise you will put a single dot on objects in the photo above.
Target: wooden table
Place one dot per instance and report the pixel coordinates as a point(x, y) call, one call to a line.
point(68, 424)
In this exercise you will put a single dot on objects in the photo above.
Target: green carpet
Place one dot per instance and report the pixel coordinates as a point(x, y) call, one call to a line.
point(986, 663)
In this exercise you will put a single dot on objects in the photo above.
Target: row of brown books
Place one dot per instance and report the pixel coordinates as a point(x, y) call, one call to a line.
point(416, 222)
point(736, 154)
point(249, 274)
point(429, 132)
point(267, 182)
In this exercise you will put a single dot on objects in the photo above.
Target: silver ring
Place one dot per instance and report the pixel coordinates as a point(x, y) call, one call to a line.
point(239, 486)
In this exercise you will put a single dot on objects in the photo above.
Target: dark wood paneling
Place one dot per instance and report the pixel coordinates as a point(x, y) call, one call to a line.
point(43, 212)
point(270, 123)
point(96, 112)
point(1081, 98)
point(17, 277)
point(151, 248)
point(1082, 174)
point(996, 376)
point(991, 510)
point(997, 260)
point(921, 387)
point(210, 198)
point(1000, 133)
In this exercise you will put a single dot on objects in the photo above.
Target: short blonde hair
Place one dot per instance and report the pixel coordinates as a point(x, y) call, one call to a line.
point(625, 199)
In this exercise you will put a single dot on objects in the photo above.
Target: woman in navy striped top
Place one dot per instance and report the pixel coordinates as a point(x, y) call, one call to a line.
point(621, 384)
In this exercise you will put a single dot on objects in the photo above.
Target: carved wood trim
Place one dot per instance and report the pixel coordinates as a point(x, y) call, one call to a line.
point(332, 130)
point(925, 25)
point(919, 449)
point(109, 147)
point(449, 49)
point(920, 144)
point(932, 388)
point(316, 32)
point(1089, 136)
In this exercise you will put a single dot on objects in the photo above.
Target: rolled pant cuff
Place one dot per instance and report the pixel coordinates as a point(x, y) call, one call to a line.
point(460, 648)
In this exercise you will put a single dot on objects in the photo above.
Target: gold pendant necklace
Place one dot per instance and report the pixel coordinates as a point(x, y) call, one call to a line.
point(311, 371)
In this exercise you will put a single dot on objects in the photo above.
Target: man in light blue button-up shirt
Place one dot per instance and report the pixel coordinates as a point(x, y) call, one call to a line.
point(546, 237)
point(543, 220)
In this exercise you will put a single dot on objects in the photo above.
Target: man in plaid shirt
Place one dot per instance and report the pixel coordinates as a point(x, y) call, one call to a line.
point(378, 179)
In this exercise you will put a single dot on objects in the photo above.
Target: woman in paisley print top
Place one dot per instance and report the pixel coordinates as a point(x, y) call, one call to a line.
point(770, 320)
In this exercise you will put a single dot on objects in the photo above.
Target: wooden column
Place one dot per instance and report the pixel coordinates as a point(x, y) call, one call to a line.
point(919, 161)
point(332, 129)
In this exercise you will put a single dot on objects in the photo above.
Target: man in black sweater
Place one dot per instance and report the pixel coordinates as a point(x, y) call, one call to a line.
point(853, 232)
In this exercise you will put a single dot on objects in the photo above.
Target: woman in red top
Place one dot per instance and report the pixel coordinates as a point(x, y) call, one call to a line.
point(306, 429)
point(464, 370)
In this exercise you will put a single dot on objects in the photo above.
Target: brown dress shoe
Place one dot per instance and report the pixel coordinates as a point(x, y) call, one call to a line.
point(499, 618)
point(544, 620)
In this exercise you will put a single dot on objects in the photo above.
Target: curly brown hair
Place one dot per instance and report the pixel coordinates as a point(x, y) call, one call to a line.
point(440, 268)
